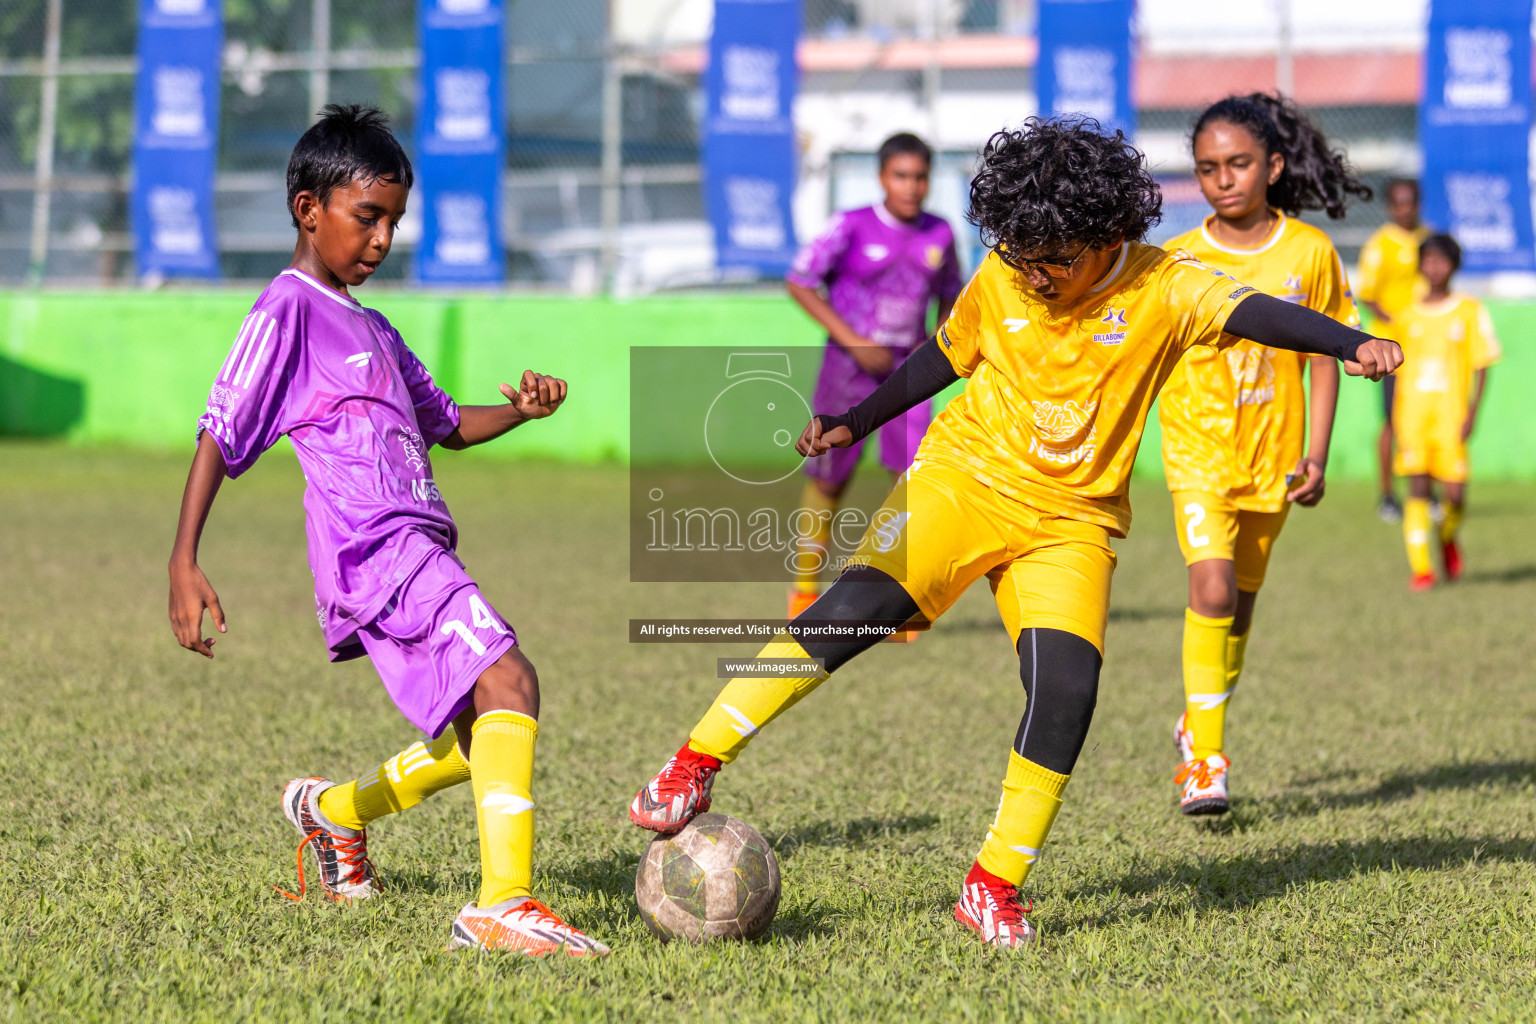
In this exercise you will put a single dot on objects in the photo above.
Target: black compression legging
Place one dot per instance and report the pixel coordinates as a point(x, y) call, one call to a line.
point(1059, 670)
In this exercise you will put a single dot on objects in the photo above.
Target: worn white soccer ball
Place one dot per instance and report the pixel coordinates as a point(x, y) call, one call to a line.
point(716, 879)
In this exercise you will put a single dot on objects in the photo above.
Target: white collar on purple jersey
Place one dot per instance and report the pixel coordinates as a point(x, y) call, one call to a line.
point(890, 220)
point(345, 300)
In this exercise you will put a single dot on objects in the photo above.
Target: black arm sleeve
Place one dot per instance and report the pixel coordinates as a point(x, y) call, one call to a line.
point(926, 372)
point(1269, 321)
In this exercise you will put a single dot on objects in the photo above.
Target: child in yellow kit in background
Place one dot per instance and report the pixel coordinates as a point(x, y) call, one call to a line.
point(1389, 283)
point(1450, 341)
point(1234, 419)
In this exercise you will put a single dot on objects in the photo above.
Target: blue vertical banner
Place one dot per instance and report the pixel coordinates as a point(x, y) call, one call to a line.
point(749, 134)
point(461, 137)
point(1474, 127)
point(1085, 61)
point(176, 138)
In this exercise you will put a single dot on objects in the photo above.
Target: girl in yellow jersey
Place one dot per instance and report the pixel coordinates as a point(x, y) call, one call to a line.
point(1234, 419)
point(1389, 283)
point(1064, 336)
point(1452, 343)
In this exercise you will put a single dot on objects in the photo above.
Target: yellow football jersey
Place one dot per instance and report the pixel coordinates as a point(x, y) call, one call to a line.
point(1444, 343)
point(1234, 421)
point(1058, 397)
point(1389, 268)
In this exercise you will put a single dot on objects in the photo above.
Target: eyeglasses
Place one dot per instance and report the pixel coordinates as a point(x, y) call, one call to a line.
point(1050, 268)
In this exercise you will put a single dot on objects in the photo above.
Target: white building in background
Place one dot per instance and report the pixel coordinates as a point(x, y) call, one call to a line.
point(954, 71)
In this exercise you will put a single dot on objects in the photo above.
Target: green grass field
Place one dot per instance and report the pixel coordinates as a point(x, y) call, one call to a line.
point(1379, 864)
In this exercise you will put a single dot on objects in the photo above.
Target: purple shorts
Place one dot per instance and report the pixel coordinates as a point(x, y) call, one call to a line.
point(432, 641)
point(840, 387)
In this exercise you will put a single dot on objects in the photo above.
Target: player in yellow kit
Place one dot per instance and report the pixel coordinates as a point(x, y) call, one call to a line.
point(1234, 420)
point(1451, 341)
point(1065, 334)
point(1389, 281)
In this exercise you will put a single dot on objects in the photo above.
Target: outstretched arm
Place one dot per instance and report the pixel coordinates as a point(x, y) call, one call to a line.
point(926, 372)
point(1269, 321)
point(191, 592)
point(538, 396)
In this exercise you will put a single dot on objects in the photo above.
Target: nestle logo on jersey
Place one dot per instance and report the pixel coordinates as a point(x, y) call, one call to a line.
point(425, 490)
point(1063, 456)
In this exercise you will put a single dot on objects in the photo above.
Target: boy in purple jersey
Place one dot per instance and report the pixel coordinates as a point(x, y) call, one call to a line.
point(881, 266)
point(362, 412)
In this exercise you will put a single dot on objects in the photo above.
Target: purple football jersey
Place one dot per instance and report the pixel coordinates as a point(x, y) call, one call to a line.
point(881, 273)
point(361, 412)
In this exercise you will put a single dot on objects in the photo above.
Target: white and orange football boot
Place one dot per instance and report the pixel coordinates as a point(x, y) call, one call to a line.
point(678, 793)
point(990, 906)
point(523, 926)
point(346, 873)
point(1204, 782)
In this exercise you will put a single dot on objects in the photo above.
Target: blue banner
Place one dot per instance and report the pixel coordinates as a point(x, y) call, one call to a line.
point(460, 141)
point(1085, 61)
point(1474, 127)
point(176, 136)
point(749, 134)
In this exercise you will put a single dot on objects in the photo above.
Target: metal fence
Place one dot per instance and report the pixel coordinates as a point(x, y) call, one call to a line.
point(602, 182)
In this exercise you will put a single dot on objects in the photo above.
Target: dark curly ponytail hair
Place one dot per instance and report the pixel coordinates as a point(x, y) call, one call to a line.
point(1062, 182)
point(1315, 177)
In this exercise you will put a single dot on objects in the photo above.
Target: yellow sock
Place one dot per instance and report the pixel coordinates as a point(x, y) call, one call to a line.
point(1031, 798)
point(405, 780)
point(1205, 680)
point(1451, 523)
point(811, 547)
point(1237, 647)
point(1416, 526)
point(501, 761)
point(747, 704)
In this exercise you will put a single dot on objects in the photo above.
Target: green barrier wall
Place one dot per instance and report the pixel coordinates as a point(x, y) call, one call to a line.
point(134, 369)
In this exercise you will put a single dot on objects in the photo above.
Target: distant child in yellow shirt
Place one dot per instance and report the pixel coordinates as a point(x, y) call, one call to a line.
point(1448, 344)
point(1237, 448)
point(1389, 282)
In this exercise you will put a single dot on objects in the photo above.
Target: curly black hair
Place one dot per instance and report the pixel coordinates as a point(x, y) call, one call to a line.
point(1315, 176)
point(1062, 182)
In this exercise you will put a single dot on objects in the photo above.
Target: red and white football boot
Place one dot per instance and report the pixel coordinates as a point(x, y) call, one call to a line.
point(990, 906)
point(678, 793)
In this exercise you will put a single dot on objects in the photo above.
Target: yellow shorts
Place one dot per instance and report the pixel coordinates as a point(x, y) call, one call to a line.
point(1444, 458)
point(1213, 527)
point(940, 530)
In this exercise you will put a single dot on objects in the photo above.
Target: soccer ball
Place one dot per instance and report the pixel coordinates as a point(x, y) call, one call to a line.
point(716, 879)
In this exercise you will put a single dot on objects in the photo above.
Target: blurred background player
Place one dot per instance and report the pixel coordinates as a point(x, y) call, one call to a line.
point(1389, 281)
point(1234, 420)
point(1448, 343)
point(881, 266)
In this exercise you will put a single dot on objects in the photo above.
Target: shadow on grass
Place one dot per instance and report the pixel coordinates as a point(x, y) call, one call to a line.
point(1404, 785)
point(1236, 882)
point(850, 834)
point(1509, 574)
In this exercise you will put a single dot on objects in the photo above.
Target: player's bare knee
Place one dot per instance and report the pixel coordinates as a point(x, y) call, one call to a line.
point(1213, 594)
point(510, 684)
